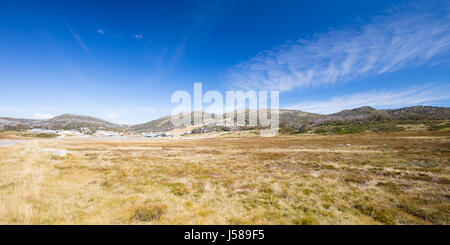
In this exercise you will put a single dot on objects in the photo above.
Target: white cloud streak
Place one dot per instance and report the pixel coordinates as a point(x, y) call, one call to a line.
point(111, 115)
point(42, 116)
point(392, 43)
point(81, 43)
point(424, 95)
point(139, 36)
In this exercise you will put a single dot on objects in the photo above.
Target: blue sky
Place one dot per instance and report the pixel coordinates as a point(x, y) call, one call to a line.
point(122, 60)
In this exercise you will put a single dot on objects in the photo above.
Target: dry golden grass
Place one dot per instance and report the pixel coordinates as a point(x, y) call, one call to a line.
point(385, 178)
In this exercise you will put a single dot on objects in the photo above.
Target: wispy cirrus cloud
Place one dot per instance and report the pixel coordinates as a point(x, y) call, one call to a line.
point(81, 43)
point(423, 95)
point(386, 44)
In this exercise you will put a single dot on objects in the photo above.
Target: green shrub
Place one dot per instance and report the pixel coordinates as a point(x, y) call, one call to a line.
point(45, 135)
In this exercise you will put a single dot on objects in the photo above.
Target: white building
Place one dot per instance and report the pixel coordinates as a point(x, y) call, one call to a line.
point(85, 130)
point(152, 135)
point(157, 134)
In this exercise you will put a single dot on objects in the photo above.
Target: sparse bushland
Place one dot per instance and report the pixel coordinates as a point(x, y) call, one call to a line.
point(45, 135)
point(371, 178)
point(353, 127)
point(341, 127)
point(291, 121)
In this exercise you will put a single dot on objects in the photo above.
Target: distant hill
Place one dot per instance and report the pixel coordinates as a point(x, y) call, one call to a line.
point(301, 119)
point(69, 121)
point(160, 124)
point(365, 119)
point(163, 124)
point(8, 121)
point(420, 112)
point(289, 119)
point(297, 118)
point(360, 112)
point(65, 121)
point(407, 113)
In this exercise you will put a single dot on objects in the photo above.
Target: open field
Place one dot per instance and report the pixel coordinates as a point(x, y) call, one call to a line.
point(382, 178)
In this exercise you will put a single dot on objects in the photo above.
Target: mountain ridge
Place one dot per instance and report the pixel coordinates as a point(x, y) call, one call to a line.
point(64, 121)
point(288, 118)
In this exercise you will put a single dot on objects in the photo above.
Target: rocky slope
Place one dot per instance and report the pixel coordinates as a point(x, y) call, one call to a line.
point(65, 121)
point(288, 119)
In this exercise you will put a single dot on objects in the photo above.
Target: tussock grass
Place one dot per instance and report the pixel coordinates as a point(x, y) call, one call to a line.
point(147, 213)
point(382, 178)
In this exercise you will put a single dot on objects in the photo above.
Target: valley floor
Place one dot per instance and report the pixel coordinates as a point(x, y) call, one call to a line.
point(383, 178)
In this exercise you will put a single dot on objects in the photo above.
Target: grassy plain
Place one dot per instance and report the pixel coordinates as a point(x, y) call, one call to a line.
point(370, 178)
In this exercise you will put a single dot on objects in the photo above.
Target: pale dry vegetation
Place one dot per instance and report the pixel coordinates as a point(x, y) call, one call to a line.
point(384, 178)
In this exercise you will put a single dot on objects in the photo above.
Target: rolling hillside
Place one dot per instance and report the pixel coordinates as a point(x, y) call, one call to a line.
point(162, 124)
point(65, 121)
point(294, 119)
point(291, 120)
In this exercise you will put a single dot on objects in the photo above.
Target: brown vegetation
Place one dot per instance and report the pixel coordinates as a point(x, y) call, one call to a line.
point(377, 178)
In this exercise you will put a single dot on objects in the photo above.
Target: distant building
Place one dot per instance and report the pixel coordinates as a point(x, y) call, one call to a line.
point(86, 130)
point(151, 135)
point(48, 131)
point(157, 134)
point(105, 133)
point(43, 131)
point(36, 131)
